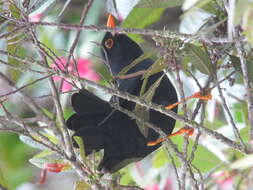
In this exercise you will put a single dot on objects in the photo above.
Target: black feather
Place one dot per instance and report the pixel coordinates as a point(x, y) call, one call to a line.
point(102, 127)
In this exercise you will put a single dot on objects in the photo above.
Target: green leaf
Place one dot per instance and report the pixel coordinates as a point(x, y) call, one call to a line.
point(2, 180)
point(80, 143)
point(248, 23)
point(45, 157)
point(30, 142)
point(134, 63)
point(13, 43)
point(156, 67)
point(141, 18)
point(52, 138)
point(240, 8)
point(159, 3)
point(68, 112)
point(39, 6)
point(144, 114)
point(198, 58)
point(147, 96)
point(81, 185)
point(126, 177)
point(33, 143)
point(13, 160)
point(239, 110)
point(141, 111)
point(237, 64)
point(41, 161)
point(244, 132)
point(197, 5)
point(160, 158)
point(212, 8)
point(204, 160)
point(244, 163)
point(48, 113)
point(15, 9)
point(211, 28)
point(44, 153)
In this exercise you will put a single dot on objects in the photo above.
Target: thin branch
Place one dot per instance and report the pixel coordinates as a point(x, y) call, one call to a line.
point(147, 32)
point(12, 32)
point(74, 44)
point(175, 169)
point(131, 75)
point(186, 137)
point(20, 68)
point(68, 143)
point(195, 146)
point(231, 119)
point(81, 22)
point(160, 109)
point(26, 125)
point(128, 187)
point(248, 87)
point(180, 155)
point(12, 130)
point(30, 132)
point(25, 86)
point(64, 135)
point(50, 95)
point(24, 61)
point(32, 104)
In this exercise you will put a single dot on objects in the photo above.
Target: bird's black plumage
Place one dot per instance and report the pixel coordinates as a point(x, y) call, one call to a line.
point(118, 134)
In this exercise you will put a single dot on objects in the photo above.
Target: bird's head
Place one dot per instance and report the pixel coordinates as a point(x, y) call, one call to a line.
point(118, 50)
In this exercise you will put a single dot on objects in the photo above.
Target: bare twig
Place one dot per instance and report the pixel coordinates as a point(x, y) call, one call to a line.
point(32, 104)
point(186, 137)
point(128, 187)
point(231, 120)
point(147, 32)
point(31, 133)
point(160, 109)
point(21, 68)
point(12, 32)
point(64, 132)
point(74, 44)
point(245, 72)
point(66, 136)
point(175, 169)
point(25, 86)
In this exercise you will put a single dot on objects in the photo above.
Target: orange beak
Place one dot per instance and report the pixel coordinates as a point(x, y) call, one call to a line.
point(111, 21)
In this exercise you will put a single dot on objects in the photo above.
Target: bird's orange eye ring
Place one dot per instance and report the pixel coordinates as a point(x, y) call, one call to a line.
point(109, 43)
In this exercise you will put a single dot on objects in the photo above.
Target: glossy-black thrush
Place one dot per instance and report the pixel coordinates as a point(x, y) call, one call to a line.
point(102, 127)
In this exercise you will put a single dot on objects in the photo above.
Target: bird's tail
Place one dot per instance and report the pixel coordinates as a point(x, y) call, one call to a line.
point(90, 111)
point(93, 138)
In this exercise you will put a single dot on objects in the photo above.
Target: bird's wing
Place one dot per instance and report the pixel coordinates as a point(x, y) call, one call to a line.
point(84, 102)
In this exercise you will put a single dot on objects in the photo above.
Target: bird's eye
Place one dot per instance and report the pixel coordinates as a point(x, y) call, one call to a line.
point(109, 43)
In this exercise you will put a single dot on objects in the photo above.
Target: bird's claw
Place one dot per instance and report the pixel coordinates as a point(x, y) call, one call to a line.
point(197, 95)
point(185, 130)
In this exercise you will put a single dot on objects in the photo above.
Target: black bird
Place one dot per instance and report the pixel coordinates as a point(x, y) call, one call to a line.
point(102, 127)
